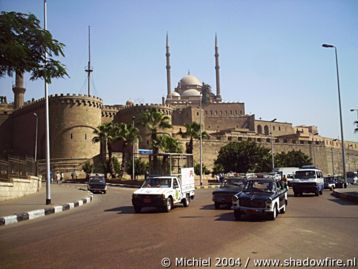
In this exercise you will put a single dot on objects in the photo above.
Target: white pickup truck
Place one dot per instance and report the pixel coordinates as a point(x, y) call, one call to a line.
point(164, 192)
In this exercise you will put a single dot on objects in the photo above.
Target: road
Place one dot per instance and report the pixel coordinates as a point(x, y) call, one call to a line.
point(108, 234)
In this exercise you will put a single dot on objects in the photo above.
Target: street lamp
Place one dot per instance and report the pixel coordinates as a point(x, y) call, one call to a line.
point(334, 140)
point(272, 155)
point(133, 168)
point(36, 132)
point(356, 122)
point(201, 144)
point(340, 112)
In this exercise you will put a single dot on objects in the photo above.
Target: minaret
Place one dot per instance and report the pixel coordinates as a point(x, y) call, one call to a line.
point(168, 68)
point(19, 90)
point(217, 69)
point(89, 67)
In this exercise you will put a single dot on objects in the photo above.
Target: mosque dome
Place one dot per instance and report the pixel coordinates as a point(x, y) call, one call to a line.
point(191, 92)
point(130, 102)
point(190, 80)
point(175, 94)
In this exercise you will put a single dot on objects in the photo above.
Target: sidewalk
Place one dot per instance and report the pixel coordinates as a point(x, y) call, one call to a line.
point(63, 197)
point(350, 193)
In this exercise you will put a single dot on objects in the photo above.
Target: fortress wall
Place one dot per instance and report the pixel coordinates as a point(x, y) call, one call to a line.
point(126, 115)
point(72, 121)
point(74, 118)
point(320, 154)
point(108, 113)
point(224, 109)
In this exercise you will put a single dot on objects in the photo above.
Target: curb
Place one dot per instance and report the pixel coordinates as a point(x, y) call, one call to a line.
point(351, 198)
point(207, 187)
point(43, 212)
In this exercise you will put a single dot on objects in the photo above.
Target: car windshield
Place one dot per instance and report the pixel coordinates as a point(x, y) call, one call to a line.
point(97, 179)
point(258, 186)
point(233, 182)
point(155, 182)
point(305, 174)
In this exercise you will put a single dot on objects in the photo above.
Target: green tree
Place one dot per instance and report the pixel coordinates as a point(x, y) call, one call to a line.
point(128, 134)
point(193, 132)
point(106, 134)
point(140, 167)
point(292, 158)
point(206, 171)
point(154, 120)
point(169, 144)
point(243, 157)
point(87, 167)
point(23, 44)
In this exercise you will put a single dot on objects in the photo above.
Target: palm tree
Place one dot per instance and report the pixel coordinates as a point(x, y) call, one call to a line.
point(128, 134)
point(154, 120)
point(105, 133)
point(193, 131)
point(169, 144)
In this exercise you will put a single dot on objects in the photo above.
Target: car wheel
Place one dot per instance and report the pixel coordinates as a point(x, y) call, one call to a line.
point(237, 214)
point(317, 192)
point(217, 205)
point(283, 210)
point(320, 192)
point(273, 214)
point(168, 205)
point(186, 201)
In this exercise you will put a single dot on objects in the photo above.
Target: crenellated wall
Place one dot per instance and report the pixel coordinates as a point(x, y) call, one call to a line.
point(72, 121)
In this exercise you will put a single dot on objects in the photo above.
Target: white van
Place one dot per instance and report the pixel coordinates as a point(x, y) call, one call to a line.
point(308, 180)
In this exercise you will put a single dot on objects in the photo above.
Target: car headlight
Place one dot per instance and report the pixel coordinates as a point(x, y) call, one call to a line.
point(235, 198)
point(268, 203)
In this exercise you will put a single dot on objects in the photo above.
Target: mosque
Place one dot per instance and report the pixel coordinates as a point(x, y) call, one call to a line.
point(73, 117)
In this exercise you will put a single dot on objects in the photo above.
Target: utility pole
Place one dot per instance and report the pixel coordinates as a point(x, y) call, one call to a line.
point(89, 69)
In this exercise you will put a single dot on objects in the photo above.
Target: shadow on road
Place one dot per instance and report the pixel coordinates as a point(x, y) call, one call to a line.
point(130, 210)
point(342, 202)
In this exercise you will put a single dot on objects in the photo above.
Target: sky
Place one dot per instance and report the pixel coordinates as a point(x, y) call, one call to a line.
point(271, 56)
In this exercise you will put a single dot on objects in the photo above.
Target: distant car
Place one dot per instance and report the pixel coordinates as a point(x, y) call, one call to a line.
point(352, 177)
point(223, 195)
point(97, 183)
point(340, 183)
point(261, 197)
point(329, 183)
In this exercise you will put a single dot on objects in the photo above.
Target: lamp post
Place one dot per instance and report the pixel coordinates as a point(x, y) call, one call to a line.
point(201, 144)
point(133, 168)
point(340, 112)
point(48, 183)
point(272, 153)
point(334, 140)
point(356, 122)
point(36, 132)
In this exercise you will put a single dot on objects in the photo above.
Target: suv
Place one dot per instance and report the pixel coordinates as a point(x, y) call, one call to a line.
point(97, 183)
point(308, 180)
point(265, 196)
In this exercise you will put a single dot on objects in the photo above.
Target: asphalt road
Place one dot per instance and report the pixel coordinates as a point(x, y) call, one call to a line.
point(108, 234)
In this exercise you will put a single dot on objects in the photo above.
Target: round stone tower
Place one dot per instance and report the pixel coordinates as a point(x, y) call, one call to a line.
point(73, 118)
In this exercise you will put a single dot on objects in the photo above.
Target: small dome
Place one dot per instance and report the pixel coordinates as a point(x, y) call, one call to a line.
point(130, 103)
point(175, 94)
point(190, 80)
point(191, 92)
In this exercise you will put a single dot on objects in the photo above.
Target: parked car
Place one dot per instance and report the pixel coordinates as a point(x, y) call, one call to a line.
point(261, 197)
point(97, 183)
point(352, 177)
point(223, 195)
point(340, 183)
point(329, 183)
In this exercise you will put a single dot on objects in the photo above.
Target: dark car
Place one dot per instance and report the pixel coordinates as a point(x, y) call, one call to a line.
point(266, 196)
point(223, 195)
point(340, 183)
point(329, 183)
point(97, 183)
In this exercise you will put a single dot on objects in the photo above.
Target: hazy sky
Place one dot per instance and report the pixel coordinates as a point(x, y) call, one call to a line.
point(270, 53)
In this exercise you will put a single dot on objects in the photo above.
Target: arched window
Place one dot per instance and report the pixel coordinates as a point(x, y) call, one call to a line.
point(266, 130)
point(259, 129)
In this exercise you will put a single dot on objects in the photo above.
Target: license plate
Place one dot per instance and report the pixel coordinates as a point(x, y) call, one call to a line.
point(146, 200)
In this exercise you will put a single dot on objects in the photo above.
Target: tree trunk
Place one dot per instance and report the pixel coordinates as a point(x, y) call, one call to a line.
point(110, 161)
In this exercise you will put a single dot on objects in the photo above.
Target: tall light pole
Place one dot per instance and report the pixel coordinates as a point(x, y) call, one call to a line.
point(340, 112)
point(272, 152)
point(36, 132)
point(334, 140)
point(48, 184)
point(133, 168)
point(201, 143)
point(356, 122)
